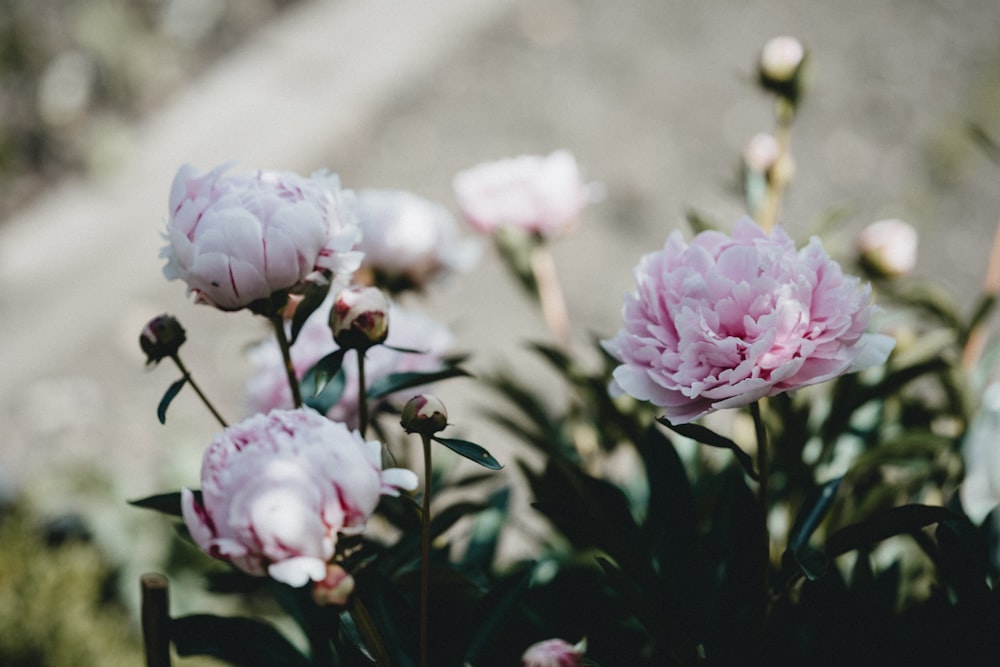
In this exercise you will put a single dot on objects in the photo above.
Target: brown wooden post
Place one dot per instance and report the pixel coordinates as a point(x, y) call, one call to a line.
point(156, 619)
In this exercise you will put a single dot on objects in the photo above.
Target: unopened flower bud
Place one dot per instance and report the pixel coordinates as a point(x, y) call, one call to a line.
point(424, 414)
point(554, 653)
point(888, 248)
point(780, 66)
point(335, 589)
point(761, 153)
point(161, 337)
point(359, 318)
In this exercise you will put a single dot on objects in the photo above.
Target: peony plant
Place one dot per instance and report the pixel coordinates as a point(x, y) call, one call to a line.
point(846, 519)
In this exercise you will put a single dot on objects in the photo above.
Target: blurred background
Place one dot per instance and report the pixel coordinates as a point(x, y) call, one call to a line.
point(101, 102)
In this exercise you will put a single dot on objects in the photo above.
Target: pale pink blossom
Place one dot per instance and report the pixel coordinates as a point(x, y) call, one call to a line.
point(409, 241)
point(267, 387)
point(980, 491)
point(726, 320)
point(237, 239)
point(540, 195)
point(278, 489)
point(889, 247)
point(781, 58)
point(554, 653)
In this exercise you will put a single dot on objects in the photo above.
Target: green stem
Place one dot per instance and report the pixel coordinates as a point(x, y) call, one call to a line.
point(286, 354)
point(550, 294)
point(362, 395)
point(425, 549)
point(764, 472)
point(204, 399)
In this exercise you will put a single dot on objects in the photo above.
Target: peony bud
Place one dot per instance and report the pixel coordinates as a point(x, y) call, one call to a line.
point(780, 66)
point(424, 414)
point(888, 248)
point(336, 589)
point(554, 653)
point(161, 337)
point(359, 318)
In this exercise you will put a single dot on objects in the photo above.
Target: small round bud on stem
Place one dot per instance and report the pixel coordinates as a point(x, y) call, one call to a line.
point(555, 653)
point(888, 248)
point(424, 414)
point(781, 65)
point(360, 318)
point(162, 337)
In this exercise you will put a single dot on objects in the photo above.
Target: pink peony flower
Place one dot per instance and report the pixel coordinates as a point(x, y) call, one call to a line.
point(723, 321)
point(540, 195)
point(554, 653)
point(240, 238)
point(277, 489)
point(268, 387)
point(409, 241)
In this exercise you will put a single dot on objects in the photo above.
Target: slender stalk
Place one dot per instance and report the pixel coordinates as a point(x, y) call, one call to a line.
point(550, 293)
point(362, 395)
point(204, 399)
point(780, 172)
point(991, 288)
point(425, 549)
point(764, 472)
point(286, 354)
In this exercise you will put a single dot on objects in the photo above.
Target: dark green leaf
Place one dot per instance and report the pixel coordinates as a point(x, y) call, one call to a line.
point(312, 298)
point(986, 142)
point(241, 641)
point(171, 393)
point(706, 436)
point(896, 521)
point(497, 606)
point(983, 309)
point(812, 562)
point(812, 513)
point(471, 451)
point(398, 381)
point(167, 503)
point(323, 384)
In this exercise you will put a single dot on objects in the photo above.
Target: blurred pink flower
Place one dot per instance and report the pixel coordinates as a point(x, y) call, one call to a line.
point(889, 247)
point(240, 238)
point(980, 490)
point(540, 195)
point(409, 241)
point(268, 388)
point(726, 320)
point(277, 489)
point(554, 653)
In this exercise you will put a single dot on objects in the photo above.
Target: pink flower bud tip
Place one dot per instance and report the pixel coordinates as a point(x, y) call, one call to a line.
point(888, 248)
point(781, 58)
point(554, 653)
point(359, 318)
point(424, 414)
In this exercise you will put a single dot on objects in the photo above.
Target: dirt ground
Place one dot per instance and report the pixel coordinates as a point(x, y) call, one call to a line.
point(656, 99)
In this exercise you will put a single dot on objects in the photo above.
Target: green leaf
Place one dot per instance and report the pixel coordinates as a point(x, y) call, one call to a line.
point(312, 298)
point(812, 513)
point(167, 503)
point(241, 641)
point(398, 381)
point(171, 393)
point(896, 521)
point(707, 436)
point(323, 384)
point(471, 451)
point(699, 222)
